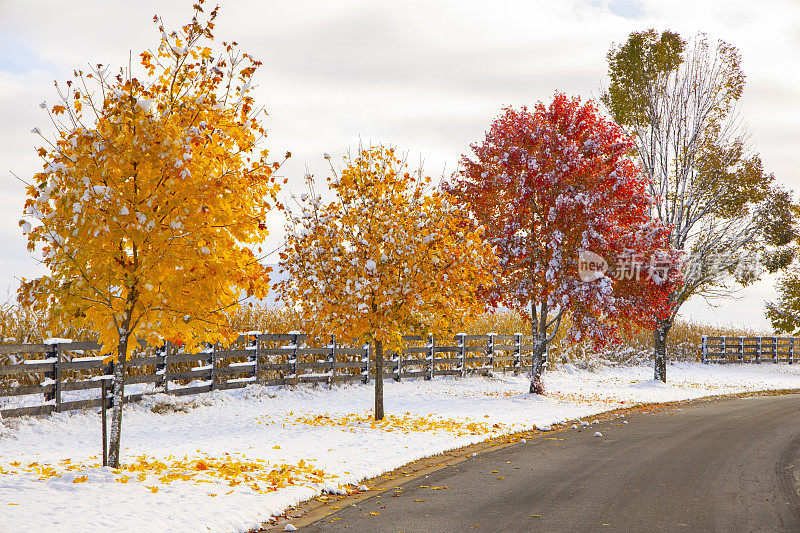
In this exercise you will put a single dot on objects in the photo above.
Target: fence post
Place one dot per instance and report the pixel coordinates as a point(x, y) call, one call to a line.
point(365, 360)
point(50, 374)
point(103, 408)
point(741, 349)
point(397, 359)
point(490, 345)
point(431, 357)
point(212, 360)
point(518, 354)
point(332, 359)
point(58, 378)
point(759, 347)
point(724, 344)
point(167, 347)
point(254, 358)
point(774, 349)
point(109, 371)
point(161, 368)
point(791, 350)
point(462, 354)
point(296, 355)
point(704, 349)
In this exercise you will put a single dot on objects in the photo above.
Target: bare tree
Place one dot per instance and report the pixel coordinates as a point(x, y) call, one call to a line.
point(679, 99)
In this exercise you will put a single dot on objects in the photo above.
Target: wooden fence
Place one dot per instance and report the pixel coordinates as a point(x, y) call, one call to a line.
point(748, 349)
point(265, 359)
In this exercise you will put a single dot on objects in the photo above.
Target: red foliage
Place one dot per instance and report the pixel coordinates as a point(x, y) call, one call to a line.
point(550, 183)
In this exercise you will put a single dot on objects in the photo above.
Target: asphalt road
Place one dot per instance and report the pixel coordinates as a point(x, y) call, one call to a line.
point(712, 466)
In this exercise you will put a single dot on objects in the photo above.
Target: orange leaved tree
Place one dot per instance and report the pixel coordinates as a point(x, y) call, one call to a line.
point(151, 196)
point(383, 258)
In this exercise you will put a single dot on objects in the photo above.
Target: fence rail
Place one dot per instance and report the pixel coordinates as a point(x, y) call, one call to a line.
point(749, 349)
point(57, 372)
point(265, 359)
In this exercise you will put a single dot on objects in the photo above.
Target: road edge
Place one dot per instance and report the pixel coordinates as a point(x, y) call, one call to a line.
point(788, 475)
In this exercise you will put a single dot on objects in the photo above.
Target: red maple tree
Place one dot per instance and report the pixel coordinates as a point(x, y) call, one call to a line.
point(555, 185)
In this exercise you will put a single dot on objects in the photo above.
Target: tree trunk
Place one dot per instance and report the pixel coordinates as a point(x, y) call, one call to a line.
point(538, 365)
point(116, 411)
point(660, 349)
point(538, 324)
point(378, 380)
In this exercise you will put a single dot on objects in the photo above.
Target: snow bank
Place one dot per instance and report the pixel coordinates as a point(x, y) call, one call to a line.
point(263, 424)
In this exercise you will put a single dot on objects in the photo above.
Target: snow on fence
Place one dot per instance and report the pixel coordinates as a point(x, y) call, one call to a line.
point(59, 379)
point(748, 349)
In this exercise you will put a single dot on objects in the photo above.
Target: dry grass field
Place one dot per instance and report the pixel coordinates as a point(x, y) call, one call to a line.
point(21, 325)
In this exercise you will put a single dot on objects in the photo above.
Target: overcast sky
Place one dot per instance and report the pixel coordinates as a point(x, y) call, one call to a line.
point(426, 76)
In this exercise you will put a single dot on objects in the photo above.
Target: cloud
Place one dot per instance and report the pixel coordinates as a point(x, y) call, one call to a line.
point(426, 76)
point(630, 9)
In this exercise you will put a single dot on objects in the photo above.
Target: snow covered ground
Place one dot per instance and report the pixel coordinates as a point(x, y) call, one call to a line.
point(233, 459)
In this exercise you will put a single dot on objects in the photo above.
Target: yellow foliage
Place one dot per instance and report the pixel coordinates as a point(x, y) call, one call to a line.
point(257, 475)
point(404, 423)
point(386, 257)
point(152, 195)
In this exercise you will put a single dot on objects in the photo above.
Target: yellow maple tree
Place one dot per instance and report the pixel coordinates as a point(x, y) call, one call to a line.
point(386, 257)
point(152, 199)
